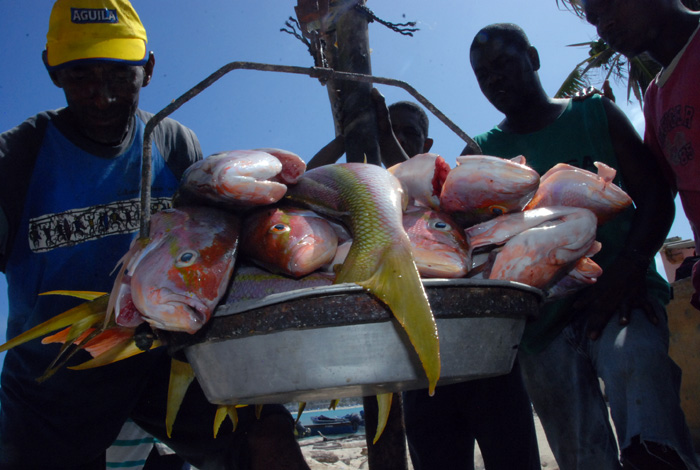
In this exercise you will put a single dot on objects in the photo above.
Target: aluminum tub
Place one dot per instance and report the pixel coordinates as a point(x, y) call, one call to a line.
point(338, 341)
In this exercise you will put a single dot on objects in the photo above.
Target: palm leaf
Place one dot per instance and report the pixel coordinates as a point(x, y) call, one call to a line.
point(574, 6)
point(574, 82)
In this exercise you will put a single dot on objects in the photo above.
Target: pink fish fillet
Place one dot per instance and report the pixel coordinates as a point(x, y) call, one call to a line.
point(422, 178)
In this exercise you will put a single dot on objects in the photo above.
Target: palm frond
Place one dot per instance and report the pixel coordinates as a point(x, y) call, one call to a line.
point(574, 82)
point(575, 6)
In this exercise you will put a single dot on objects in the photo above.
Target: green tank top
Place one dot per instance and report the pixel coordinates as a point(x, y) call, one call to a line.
point(578, 137)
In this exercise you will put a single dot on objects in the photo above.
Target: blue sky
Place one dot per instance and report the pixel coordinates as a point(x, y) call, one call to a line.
point(250, 109)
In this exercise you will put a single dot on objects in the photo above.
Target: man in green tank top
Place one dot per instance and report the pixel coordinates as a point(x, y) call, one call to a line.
point(616, 329)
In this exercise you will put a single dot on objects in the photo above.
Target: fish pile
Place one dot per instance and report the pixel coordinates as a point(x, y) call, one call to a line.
point(249, 223)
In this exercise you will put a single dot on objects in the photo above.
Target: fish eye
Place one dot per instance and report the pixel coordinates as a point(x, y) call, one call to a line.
point(497, 210)
point(186, 258)
point(440, 225)
point(279, 228)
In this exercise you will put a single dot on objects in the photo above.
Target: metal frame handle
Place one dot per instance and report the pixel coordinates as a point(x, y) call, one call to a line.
point(323, 74)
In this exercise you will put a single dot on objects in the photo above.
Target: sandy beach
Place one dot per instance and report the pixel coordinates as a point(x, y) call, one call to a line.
point(351, 452)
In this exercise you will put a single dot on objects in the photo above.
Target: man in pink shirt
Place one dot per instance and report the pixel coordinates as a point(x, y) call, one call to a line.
point(667, 31)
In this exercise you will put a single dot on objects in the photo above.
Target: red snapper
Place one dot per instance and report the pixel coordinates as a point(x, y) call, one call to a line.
point(175, 279)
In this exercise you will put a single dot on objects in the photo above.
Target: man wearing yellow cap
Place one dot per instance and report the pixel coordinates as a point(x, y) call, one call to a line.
point(69, 208)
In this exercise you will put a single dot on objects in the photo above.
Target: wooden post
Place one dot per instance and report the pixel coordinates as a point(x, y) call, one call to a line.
point(359, 120)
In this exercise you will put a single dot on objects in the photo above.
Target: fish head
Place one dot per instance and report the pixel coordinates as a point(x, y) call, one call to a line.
point(288, 240)
point(438, 244)
point(584, 273)
point(541, 255)
point(180, 276)
point(482, 187)
point(576, 187)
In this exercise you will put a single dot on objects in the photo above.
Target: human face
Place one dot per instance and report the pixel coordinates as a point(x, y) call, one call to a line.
point(628, 26)
point(506, 73)
point(408, 131)
point(102, 97)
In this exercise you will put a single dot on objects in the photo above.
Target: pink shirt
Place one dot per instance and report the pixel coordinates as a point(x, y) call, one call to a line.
point(673, 130)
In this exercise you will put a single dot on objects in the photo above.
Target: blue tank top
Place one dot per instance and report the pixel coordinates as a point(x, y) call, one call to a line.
point(72, 234)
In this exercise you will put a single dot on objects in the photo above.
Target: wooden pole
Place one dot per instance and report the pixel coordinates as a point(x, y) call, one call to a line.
point(359, 120)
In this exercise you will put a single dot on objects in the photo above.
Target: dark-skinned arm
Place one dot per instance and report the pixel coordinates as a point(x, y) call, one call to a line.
point(622, 286)
point(389, 146)
point(329, 154)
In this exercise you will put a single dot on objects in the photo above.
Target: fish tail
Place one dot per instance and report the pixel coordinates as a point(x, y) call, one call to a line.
point(181, 376)
point(222, 411)
point(397, 284)
point(384, 407)
point(300, 410)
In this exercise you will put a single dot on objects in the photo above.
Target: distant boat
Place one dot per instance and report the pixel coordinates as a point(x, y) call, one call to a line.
point(348, 424)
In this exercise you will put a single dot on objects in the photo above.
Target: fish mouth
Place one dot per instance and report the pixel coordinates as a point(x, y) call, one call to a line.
point(178, 312)
point(309, 255)
point(436, 264)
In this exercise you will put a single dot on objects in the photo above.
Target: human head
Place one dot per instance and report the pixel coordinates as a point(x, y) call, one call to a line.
point(410, 125)
point(628, 26)
point(96, 52)
point(505, 65)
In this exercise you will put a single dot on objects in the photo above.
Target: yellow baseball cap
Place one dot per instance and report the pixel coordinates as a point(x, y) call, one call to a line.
point(95, 30)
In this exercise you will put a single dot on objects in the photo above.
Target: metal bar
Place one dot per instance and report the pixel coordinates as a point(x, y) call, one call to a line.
point(314, 72)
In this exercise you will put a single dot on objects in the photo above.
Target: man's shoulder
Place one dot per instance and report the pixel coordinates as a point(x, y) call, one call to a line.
point(177, 143)
point(490, 135)
point(33, 124)
point(166, 124)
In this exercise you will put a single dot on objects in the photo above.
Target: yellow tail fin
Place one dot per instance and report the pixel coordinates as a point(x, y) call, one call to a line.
point(397, 284)
point(181, 376)
point(384, 404)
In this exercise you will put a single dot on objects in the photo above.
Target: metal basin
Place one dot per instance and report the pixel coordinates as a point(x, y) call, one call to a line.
point(339, 341)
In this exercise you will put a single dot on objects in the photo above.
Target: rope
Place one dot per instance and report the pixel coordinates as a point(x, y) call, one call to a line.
point(407, 29)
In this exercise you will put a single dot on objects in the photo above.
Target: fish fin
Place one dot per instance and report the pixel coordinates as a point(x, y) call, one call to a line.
point(81, 294)
point(122, 264)
point(334, 404)
point(77, 332)
point(181, 376)
point(81, 335)
point(397, 284)
point(302, 405)
point(221, 413)
point(117, 353)
point(61, 320)
point(258, 411)
point(384, 404)
point(68, 350)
